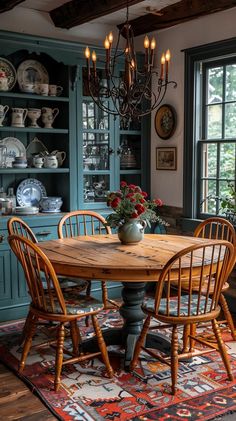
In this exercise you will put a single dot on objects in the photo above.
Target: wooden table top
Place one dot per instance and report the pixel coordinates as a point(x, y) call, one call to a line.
point(104, 257)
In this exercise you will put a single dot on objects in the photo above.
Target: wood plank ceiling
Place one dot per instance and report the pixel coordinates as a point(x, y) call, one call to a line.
point(166, 13)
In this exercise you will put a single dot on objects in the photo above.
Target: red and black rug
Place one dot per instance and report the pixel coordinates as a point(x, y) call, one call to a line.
point(204, 393)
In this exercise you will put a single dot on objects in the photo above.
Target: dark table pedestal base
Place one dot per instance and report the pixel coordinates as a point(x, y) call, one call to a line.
point(133, 295)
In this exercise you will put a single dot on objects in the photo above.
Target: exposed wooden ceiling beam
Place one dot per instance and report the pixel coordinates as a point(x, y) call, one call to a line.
point(77, 12)
point(6, 5)
point(178, 12)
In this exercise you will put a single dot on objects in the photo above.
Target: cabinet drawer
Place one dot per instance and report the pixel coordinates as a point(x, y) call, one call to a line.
point(45, 233)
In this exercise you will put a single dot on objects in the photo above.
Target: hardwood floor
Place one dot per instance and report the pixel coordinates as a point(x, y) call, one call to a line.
point(17, 402)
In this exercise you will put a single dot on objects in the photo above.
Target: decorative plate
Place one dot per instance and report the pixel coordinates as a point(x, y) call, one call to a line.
point(165, 121)
point(10, 71)
point(35, 147)
point(14, 148)
point(31, 71)
point(29, 192)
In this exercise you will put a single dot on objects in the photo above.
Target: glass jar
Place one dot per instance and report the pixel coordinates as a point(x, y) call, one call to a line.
point(6, 205)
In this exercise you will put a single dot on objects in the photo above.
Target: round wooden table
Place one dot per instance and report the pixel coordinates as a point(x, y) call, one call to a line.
point(103, 257)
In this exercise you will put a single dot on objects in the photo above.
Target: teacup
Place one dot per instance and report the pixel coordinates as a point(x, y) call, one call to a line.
point(55, 90)
point(3, 111)
point(42, 89)
point(28, 87)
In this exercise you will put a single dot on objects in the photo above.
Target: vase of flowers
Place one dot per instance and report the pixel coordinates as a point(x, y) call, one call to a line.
point(132, 212)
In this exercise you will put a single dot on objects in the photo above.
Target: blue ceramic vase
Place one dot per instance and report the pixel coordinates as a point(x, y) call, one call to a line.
point(132, 231)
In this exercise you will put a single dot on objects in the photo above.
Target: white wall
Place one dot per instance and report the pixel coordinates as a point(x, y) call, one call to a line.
point(168, 185)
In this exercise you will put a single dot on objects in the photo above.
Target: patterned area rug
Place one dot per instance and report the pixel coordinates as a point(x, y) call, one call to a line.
point(86, 394)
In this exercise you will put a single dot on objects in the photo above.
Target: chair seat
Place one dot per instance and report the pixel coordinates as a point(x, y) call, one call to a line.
point(149, 304)
point(77, 304)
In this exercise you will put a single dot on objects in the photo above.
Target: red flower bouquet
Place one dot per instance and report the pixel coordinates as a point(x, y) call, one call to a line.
point(131, 202)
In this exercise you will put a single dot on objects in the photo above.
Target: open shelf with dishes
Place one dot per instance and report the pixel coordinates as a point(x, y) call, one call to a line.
point(34, 127)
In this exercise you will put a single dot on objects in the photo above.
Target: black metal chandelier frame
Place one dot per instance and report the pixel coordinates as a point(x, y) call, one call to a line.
point(127, 93)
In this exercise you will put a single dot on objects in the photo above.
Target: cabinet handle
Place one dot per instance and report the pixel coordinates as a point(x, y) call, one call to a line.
point(45, 233)
point(1, 238)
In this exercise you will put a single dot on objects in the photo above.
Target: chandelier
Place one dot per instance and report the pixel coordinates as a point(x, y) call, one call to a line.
point(132, 92)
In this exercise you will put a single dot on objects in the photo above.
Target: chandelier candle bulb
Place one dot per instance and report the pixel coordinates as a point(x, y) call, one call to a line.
point(94, 58)
point(163, 60)
point(146, 46)
point(107, 48)
point(87, 55)
point(110, 38)
point(167, 57)
point(153, 46)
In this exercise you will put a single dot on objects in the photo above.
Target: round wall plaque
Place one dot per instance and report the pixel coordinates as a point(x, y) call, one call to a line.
point(165, 121)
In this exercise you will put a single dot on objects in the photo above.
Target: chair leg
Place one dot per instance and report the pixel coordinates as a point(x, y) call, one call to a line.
point(174, 359)
point(32, 321)
point(88, 292)
point(107, 300)
point(228, 317)
point(104, 294)
point(140, 343)
point(102, 346)
point(26, 327)
point(222, 349)
point(193, 328)
point(59, 356)
point(75, 336)
point(186, 332)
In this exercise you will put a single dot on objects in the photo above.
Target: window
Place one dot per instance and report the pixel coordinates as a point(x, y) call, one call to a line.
point(210, 127)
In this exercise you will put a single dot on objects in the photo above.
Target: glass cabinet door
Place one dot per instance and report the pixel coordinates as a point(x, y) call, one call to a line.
point(97, 152)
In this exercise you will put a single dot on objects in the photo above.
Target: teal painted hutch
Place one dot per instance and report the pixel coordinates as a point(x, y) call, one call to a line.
point(100, 151)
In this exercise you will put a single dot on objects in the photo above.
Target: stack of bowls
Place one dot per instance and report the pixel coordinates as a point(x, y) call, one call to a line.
point(20, 162)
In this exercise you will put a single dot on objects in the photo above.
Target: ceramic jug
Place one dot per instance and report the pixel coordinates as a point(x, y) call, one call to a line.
point(61, 156)
point(3, 111)
point(48, 116)
point(50, 161)
point(18, 117)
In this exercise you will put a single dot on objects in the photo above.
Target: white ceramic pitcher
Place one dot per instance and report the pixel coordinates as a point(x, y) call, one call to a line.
point(48, 116)
point(18, 117)
point(3, 111)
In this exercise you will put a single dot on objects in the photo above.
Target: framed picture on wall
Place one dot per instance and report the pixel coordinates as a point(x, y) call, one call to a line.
point(166, 158)
point(165, 121)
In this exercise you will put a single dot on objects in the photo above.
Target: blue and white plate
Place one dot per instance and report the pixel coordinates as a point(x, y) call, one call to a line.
point(29, 192)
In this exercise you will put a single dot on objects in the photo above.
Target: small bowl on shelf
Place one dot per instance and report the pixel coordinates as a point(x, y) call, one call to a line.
point(50, 204)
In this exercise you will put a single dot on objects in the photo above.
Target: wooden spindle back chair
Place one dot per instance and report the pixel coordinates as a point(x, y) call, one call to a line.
point(219, 228)
point(16, 225)
point(198, 263)
point(52, 305)
point(85, 222)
